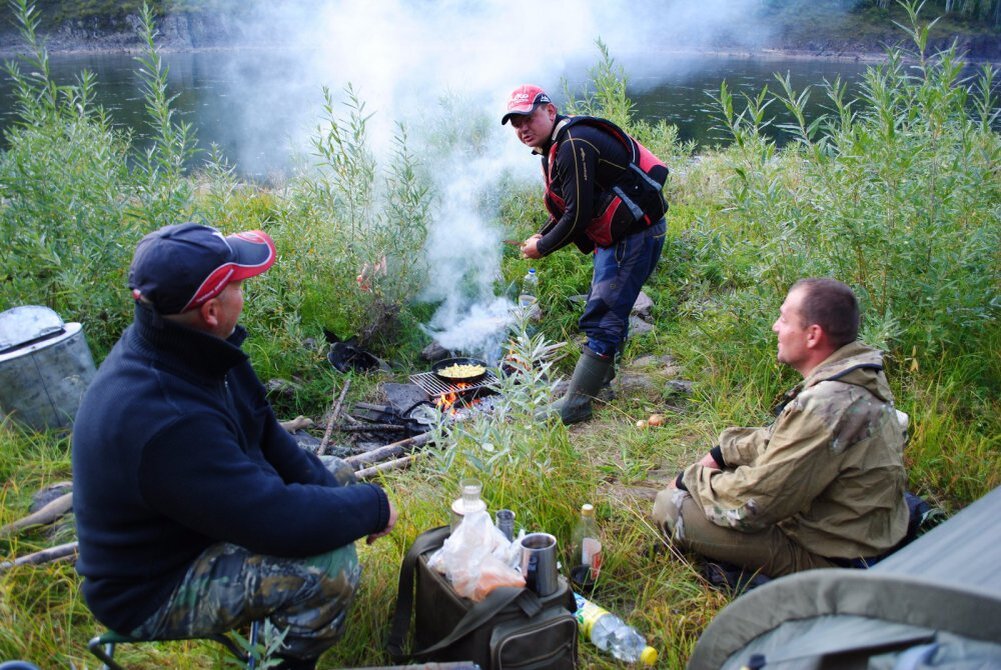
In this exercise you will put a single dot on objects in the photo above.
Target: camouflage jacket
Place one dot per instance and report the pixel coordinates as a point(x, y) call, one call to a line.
point(829, 471)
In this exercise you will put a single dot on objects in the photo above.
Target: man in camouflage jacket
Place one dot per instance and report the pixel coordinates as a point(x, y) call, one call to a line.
point(823, 486)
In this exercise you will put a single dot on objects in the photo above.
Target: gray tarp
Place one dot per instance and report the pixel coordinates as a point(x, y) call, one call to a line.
point(943, 588)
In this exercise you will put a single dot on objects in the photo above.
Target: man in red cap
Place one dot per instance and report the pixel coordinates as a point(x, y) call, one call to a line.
point(604, 194)
point(196, 512)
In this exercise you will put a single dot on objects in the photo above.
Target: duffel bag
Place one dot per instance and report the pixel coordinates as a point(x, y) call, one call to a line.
point(511, 629)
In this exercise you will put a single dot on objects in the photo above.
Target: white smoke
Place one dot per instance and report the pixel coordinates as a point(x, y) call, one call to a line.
point(403, 56)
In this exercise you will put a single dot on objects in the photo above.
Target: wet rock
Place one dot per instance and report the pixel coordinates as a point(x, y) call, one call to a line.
point(679, 387)
point(637, 384)
point(435, 352)
point(652, 377)
point(403, 396)
point(46, 495)
point(643, 307)
point(638, 326)
point(281, 388)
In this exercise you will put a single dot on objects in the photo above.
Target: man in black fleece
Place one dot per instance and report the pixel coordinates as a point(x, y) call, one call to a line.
point(196, 512)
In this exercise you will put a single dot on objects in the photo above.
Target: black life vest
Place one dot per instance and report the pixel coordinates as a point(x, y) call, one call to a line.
point(635, 199)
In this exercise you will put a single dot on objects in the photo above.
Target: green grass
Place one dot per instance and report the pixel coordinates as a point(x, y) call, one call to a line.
point(896, 194)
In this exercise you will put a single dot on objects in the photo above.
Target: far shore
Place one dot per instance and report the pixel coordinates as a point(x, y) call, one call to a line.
point(11, 48)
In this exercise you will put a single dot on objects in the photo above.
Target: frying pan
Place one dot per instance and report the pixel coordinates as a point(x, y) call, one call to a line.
point(449, 362)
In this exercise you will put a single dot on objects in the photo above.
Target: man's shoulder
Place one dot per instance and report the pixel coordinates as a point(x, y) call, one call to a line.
point(588, 127)
point(848, 412)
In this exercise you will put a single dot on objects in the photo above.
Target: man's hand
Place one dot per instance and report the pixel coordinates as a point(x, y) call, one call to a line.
point(529, 248)
point(389, 527)
point(709, 462)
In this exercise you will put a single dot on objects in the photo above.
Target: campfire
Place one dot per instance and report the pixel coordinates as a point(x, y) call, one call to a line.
point(453, 395)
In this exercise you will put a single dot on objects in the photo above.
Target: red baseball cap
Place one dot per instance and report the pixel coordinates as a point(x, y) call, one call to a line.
point(524, 100)
point(180, 267)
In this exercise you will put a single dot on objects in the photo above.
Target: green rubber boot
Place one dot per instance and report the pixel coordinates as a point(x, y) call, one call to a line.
point(588, 377)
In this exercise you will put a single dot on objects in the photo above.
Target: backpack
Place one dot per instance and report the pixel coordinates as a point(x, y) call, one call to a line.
point(633, 202)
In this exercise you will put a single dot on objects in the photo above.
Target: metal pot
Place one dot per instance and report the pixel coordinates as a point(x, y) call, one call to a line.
point(449, 362)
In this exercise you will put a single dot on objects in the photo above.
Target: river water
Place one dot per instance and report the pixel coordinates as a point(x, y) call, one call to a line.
point(252, 123)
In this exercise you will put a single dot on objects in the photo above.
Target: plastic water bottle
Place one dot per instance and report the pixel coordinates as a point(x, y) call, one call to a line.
point(529, 289)
point(469, 502)
point(586, 541)
point(610, 633)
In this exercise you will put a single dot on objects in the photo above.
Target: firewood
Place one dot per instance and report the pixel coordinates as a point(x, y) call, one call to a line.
point(296, 424)
point(333, 416)
point(389, 451)
point(45, 556)
point(42, 517)
point(395, 464)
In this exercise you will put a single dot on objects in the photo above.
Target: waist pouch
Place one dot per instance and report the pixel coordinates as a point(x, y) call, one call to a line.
point(512, 628)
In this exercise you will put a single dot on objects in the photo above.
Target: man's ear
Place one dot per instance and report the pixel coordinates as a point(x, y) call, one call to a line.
point(209, 312)
point(815, 336)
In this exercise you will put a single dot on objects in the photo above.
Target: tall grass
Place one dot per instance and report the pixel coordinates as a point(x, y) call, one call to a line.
point(896, 193)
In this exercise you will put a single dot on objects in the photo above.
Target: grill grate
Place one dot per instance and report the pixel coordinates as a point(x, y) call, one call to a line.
point(434, 385)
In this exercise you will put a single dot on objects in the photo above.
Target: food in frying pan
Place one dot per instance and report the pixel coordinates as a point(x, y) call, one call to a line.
point(458, 371)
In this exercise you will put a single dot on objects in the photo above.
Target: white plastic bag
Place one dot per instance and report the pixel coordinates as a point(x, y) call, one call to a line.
point(477, 558)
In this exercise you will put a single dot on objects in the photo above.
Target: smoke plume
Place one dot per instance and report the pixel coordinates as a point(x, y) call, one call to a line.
point(402, 57)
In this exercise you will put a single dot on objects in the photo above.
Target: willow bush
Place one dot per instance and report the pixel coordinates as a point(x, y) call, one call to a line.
point(897, 195)
point(356, 234)
point(63, 184)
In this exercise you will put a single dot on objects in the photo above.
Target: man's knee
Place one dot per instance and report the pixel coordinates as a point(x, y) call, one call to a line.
point(340, 568)
point(667, 513)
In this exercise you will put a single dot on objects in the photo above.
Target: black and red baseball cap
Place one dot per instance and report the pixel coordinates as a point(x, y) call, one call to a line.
point(524, 100)
point(181, 266)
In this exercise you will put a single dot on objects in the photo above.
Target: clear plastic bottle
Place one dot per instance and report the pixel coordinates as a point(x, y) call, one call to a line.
point(529, 294)
point(586, 541)
point(610, 633)
point(468, 502)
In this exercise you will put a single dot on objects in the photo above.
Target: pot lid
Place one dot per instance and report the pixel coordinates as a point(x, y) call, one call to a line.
point(29, 323)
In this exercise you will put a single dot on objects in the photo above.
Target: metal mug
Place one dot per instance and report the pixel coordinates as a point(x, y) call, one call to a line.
point(538, 563)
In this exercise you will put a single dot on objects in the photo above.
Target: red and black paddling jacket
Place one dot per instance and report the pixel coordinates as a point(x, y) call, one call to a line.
point(601, 185)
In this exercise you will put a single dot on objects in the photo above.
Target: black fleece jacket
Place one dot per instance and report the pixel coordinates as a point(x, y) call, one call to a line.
point(175, 448)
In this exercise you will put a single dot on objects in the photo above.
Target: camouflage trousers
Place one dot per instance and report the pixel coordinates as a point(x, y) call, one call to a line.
point(229, 586)
point(768, 551)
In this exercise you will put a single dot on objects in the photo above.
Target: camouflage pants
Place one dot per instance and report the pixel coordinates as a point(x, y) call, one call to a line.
point(769, 551)
point(228, 586)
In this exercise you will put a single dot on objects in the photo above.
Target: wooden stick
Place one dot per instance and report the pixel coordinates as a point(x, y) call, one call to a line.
point(390, 450)
point(370, 427)
point(44, 556)
point(48, 514)
point(333, 416)
point(395, 464)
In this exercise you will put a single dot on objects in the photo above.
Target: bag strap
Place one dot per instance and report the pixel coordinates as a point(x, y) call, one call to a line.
point(426, 541)
point(482, 612)
point(475, 617)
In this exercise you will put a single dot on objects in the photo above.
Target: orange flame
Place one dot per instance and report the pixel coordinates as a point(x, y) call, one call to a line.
point(446, 401)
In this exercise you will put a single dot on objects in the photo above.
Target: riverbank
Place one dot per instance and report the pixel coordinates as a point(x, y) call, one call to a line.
point(843, 39)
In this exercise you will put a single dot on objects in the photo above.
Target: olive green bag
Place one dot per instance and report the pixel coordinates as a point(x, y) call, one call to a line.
point(511, 629)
